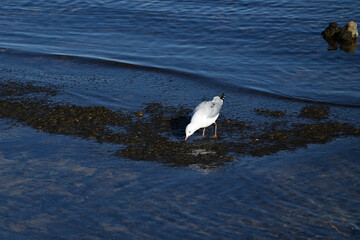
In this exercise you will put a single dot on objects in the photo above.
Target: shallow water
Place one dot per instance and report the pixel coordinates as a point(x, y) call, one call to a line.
point(268, 46)
point(123, 55)
point(53, 185)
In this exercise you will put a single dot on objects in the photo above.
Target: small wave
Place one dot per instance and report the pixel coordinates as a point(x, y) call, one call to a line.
point(189, 76)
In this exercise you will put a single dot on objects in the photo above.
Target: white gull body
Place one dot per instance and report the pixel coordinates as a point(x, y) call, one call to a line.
point(204, 115)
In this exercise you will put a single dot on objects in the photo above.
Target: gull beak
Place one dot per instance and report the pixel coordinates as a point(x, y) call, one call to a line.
point(186, 138)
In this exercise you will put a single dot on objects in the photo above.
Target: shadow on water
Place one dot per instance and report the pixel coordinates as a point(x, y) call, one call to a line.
point(158, 134)
point(178, 124)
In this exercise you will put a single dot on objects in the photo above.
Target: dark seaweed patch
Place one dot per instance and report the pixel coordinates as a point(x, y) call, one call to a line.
point(299, 135)
point(270, 113)
point(10, 88)
point(158, 134)
point(315, 112)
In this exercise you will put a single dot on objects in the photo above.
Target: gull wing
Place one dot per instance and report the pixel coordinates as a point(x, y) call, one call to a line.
point(208, 108)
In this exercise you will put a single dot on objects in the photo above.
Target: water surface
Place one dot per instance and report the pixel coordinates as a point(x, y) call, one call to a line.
point(125, 54)
point(268, 46)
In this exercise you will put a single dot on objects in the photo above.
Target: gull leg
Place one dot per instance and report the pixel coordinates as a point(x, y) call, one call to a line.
point(204, 133)
point(215, 135)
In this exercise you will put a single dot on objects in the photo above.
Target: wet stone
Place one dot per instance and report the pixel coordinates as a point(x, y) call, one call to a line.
point(346, 38)
point(139, 114)
point(331, 31)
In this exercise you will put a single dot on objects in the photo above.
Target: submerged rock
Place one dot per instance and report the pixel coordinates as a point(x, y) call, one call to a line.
point(331, 31)
point(349, 32)
point(346, 37)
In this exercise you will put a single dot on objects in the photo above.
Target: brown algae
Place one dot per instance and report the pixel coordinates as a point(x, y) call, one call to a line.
point(270, 113)
point(315, 112)
point(158, 134)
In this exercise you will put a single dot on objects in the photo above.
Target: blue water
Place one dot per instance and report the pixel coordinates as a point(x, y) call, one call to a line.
point(124, 54)
point(268, 46)
point(59, 187)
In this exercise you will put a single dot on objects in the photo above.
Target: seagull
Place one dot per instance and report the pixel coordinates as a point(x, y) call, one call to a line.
point(204, 115)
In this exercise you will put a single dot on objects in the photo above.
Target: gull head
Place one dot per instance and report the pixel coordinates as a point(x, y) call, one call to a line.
point(219, 100)
point(190, 129)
